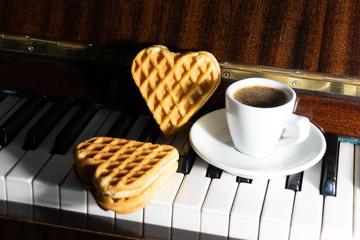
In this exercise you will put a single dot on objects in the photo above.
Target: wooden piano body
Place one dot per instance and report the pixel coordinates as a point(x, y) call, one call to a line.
point(82, 49)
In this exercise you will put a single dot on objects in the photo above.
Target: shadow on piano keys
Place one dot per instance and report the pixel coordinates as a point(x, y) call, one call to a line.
point(38, 183)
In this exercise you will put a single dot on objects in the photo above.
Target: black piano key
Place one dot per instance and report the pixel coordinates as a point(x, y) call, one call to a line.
point(213, 172)
point(186, 162)
point(243, 180)
point(2, 95)
point(293, 181)
point(150, 133)
point(20, 118)
point(122, 125)
point(45, 124)
point(329, 166)
point(73, 128)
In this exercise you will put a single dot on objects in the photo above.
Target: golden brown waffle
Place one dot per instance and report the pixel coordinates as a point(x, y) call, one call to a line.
point(137, 202)
point(93, 152)
point(175, 85)
point(122, 168)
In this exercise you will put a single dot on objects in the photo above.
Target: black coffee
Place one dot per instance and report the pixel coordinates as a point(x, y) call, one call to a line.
point(259, 96)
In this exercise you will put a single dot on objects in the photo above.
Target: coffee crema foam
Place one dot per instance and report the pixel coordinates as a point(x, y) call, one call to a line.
point(260, 96)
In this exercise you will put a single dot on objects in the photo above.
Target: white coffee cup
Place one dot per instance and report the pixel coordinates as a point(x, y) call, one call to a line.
point(259, 131)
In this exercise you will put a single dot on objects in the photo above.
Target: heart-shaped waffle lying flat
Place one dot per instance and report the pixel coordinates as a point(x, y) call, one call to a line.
point(175, 85)
point(122, 168)
point(134, 203)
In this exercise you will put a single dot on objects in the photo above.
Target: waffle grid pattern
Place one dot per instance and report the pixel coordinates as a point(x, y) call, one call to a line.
point(173, 84)
point(123, 163)
point(123, 175)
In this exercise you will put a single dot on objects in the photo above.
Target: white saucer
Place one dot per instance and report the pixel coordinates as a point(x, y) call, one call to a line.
point(210, 138)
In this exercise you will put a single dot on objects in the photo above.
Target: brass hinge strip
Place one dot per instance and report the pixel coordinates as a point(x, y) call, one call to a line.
point(297, 79)
point(62, 49)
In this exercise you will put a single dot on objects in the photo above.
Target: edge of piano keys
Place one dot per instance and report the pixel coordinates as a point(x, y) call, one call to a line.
point(74, 215)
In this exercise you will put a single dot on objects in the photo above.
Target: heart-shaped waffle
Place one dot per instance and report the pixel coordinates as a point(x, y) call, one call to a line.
point(131, 204)
point(122, 168)
point(175, 85)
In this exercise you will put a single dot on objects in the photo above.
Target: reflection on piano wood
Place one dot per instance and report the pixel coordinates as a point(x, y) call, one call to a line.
point(37, 181)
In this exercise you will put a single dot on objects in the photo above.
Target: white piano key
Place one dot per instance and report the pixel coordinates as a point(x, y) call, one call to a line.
point(92, 128)
point(9, 157)
point(338, 211)
point(19, 186)
point(7, 104)
point(307, 214)
point(217, 205)
point(159, 210)
point(277, 210)
point(73, 195)
point(19, 180)
point(191, 195)
point(137, 216)
point(94, 209)
point(108, 123)
point(12, 153)
point(356, 231)
point(246, 211)
point(46, 185)
point(136, 129)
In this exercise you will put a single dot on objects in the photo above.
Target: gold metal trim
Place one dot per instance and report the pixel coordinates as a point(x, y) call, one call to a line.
point(297, 79)
point(62, 49)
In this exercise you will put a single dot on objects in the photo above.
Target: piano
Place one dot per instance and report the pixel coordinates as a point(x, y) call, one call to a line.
point(65, 77)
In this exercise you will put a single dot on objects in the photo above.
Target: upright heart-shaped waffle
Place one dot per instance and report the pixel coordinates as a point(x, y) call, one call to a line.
point(175, 85)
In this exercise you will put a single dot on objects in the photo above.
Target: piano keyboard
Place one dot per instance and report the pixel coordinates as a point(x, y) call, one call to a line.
point(37, 181)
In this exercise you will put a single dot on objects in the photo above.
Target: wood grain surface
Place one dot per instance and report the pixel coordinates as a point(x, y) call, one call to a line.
point(321, 36)
point(312, 35)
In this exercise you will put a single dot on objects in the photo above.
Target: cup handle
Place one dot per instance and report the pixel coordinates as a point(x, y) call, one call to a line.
point(301, 125)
